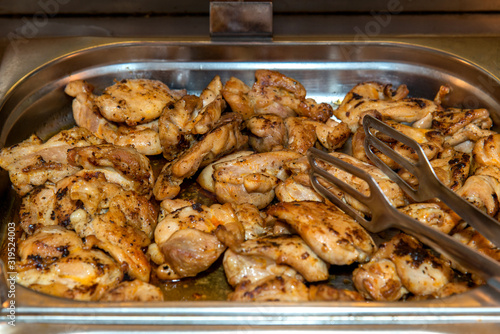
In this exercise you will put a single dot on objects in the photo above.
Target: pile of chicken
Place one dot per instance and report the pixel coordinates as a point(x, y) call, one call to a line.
point(98, 223)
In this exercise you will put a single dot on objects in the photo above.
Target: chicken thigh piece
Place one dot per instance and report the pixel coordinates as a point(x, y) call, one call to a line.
point(143, 137)
point(118, 221)
point(401, 265)
point(332, 235)
point(133, 167)
point(133, 291)
point(134, 101)
point(290, 250)
point(186, 240)
point(54, 261)
point(181, 125)
point(482, 189)
point(379, 99)
point(225, 138)
point(249, 179)
point(273, 93)
point(273, 288)
point(32, 162)
point(433, 214)
point(463, 125)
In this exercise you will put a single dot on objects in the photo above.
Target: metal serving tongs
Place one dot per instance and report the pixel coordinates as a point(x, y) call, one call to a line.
point(385, 216)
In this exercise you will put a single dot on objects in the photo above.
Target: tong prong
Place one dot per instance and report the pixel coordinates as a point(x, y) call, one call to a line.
point(429, 184)
point(376, 197)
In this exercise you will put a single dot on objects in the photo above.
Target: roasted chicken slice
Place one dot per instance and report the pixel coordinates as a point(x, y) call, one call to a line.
point(186, 240)
point(118, 221)
point(273, 288)
point(133, 168)
point(463, 125)
point(273, 93)
point(486, 152)
point(379, 99)
point(249, 179)
point(333, 235)
point(435, 215)
point(401, 265)
point(134, 101)
point(181, 125)
point(133, 291)
point(143, 137)
point(32, 162)
point(290, 250)
point(483, 189)
point(225, 138)
point(54, 261)
point(240, 268)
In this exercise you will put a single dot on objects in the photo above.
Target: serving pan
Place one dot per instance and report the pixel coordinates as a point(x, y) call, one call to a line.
point(33, 101)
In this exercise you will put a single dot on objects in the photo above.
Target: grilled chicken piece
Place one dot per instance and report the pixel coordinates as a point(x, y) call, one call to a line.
point(325, 292)
point(486, 152)
point(254, 222)
point(483, 189)
point(448, 290)
point(118, 221)
point(401, 265)
point(379, 99)
point(273, 93)
point(430, 140)
point(133, 167)
point(433, 214)
point(37, 209)
point(463, 125)
point(272, 133)
point(32, 162)
point(249, 179)
point(54, 261)
point(187, 241)
point(274, 288)
point(290, 250)
point(225, 138)
point(134, 101)
point(267, 133)
point(143, 137)
point(240, 268)
point(470, 237)
point(181, 124)
point(297, 188)
point(133, 291)
point(333, 235)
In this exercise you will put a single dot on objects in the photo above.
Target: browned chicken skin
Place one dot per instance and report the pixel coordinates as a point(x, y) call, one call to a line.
point(401, 265)
point(189, 117)
point(333, 235)
point(273, 93)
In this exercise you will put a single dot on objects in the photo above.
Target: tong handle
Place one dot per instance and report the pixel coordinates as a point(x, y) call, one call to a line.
point(429, 185)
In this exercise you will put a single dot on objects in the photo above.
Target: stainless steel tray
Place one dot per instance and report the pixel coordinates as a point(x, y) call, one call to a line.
point(32, 81)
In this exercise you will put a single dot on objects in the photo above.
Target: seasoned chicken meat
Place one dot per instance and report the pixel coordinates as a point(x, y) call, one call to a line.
point(55, 261)
point(290, 250)
point(379, 99)
point(274, 288)
point(273, 93)
point(401, 265)
point(182, 123)
point(432, 214)
point(186, 239)
point(143, 137)
point(225, 138)
point(333, 235)
point(119, 221)
point(249, 179)
point(32, 162)
point(463, 125)
point(132, 291)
